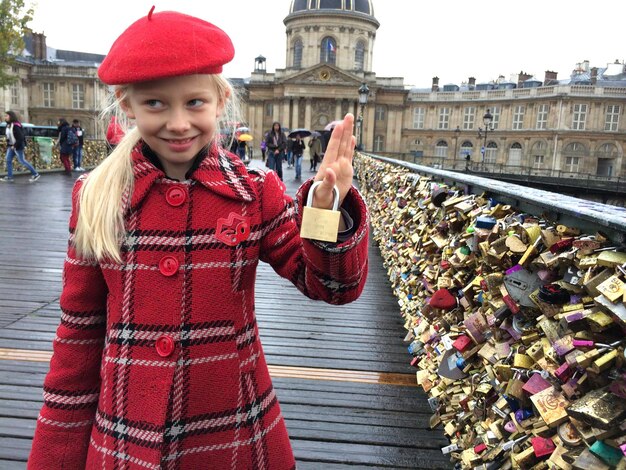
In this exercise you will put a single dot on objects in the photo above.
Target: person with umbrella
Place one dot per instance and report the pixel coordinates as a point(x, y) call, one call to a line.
point(315, 150)
point(276, 145)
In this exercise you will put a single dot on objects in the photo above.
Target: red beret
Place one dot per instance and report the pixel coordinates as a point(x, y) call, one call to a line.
point(166, 44)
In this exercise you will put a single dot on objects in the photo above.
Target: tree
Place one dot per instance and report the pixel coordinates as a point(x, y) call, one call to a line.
point(14, 18)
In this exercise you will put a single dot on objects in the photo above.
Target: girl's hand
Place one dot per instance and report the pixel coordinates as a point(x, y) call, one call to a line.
point(336, 167)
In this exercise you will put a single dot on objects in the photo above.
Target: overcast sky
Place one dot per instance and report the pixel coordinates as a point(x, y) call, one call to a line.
point(417, 39)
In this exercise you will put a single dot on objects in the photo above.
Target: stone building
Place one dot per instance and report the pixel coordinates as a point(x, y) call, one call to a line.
point(56, 83)
point(563, 127)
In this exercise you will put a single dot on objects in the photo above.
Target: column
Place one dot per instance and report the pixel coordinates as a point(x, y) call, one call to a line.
point(307, 114)
point(286, 122)
point(338, 110)
point(295, 121)
point(275, 111)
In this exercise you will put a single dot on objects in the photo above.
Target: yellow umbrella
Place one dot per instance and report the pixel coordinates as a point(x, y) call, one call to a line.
point(245, 137)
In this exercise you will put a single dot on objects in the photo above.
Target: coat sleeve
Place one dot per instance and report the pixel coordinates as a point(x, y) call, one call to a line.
point(71, 388)
point(332, 272)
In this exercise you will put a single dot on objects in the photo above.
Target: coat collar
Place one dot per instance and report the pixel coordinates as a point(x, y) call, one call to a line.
point(219, 172)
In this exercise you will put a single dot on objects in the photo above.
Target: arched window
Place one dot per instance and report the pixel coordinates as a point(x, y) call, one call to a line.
point(515, 154)
point(359, 56)
point(491, 153)
point(328, 51)
point(441, 149)
point(466, 149)
point(297, 54)
point(607, 155)
point(573, 155)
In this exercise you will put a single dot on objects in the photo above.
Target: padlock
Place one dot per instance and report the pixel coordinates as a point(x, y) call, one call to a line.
point(515, 386)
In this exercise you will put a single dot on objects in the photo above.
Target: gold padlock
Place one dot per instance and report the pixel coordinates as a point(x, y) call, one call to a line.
point(523, 361)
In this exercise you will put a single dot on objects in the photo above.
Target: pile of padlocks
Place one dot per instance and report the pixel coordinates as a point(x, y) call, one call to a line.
point(516, 326)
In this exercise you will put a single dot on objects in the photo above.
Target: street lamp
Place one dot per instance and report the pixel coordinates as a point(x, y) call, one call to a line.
point(364, 93)
point(487, 120)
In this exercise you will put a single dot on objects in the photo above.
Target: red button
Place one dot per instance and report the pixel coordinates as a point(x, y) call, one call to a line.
point(175, 196)
point(168, 266)
point(164, 346)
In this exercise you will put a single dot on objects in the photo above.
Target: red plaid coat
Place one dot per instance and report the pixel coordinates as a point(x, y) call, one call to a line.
point(157, 361)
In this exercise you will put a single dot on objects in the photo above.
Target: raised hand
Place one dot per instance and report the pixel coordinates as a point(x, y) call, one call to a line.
point(336, 167)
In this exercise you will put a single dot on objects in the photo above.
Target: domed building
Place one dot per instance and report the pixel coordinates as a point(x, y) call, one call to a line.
point(329, 51)
point(552, 128)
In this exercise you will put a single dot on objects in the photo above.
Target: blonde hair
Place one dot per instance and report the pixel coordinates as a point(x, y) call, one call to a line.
point(107, 190)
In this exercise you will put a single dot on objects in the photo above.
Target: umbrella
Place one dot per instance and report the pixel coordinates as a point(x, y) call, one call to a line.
point(242, 129)
point(299, 132)
point(245, 137)
point(316, 134)
point(331, 125)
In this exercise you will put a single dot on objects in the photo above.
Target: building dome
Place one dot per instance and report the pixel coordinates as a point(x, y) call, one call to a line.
point(362, 7)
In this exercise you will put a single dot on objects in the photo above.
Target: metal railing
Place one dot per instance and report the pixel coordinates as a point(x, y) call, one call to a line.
point(529, 174)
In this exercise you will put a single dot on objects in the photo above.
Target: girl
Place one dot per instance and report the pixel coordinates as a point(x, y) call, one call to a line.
point(16, 143)
point(157, 362)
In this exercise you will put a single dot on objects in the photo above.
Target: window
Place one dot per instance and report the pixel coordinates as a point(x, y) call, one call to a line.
point(495, 112)
point(441, 149)
point(571, 164)
point(491, 153)
point(515, 154)
point(297, 54)
point(539, 152)
point(379, 144)
point(380, 113)
point(330, 4)
point(15, 95)
point(580, 116)
point(542, 116)
point(574, 153)
point(518, 117)
point(444, 118)
point(78, 96)
point(612, 118)
point(359, 56)
point(469, 115)
point(269, 109)
point(328, 51)
point(466, 149)
point(419, 115)
point(48, 95)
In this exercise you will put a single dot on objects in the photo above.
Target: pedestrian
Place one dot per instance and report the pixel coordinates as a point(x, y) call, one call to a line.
point(115, 133)
point(298, 151)
point(78, 150)
point(263, 148)
point(157, 361)
point(276, 145)
point(315, 150)
point(16, 146)
point(68, 140)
